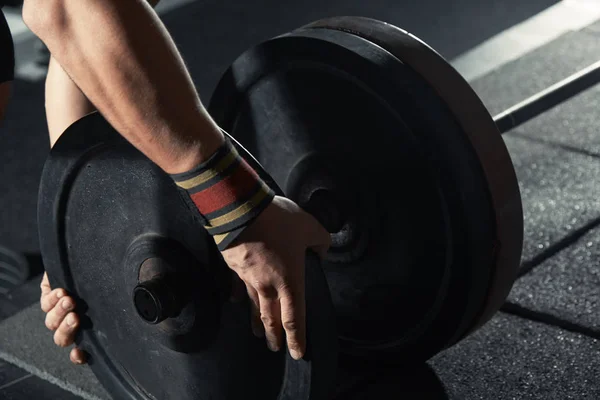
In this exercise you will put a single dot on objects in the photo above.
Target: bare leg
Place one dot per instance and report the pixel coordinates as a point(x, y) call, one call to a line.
point(65, 102)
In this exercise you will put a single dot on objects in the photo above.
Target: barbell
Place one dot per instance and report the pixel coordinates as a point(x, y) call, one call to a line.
point(364, 126)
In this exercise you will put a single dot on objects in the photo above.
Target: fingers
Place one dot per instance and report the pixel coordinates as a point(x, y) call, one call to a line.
point(49, 300)
point(65, 334)
point(57, 314)
point(60, 318)
point(49, 297)
point(293, 318)
point(77, 356)
point(270, 315)
point(256, 322)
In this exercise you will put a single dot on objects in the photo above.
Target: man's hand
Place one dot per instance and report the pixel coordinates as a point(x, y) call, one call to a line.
point(60, 318)
point(269, 256)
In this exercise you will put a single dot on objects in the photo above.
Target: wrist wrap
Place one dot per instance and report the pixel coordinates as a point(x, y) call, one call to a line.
point(227, 193)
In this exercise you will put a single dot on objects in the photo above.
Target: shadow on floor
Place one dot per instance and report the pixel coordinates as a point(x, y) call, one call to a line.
point(366, 382)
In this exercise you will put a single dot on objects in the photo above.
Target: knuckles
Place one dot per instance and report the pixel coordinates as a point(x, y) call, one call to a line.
point(290, 326)
point(264, 288)
point(268, 321)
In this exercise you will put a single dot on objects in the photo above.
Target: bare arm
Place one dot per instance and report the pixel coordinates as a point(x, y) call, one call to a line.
point(120, 55)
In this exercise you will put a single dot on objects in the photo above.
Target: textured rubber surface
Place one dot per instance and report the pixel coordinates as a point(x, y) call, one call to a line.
point(26, 342)
point(526, 76)
point(513, 358)
point(565, 287)
point(558, 192)
point(571, 124)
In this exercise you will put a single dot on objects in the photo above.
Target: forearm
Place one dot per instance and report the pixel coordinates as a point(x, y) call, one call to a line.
point(121, 57)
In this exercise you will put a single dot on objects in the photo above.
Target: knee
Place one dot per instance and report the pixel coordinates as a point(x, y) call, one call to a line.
point(43, 17)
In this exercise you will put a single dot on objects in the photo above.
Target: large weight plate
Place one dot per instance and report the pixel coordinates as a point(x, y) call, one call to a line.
point(110, 219)
point(373, 132)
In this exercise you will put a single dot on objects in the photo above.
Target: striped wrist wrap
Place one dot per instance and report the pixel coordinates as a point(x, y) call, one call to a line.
point(227, 192)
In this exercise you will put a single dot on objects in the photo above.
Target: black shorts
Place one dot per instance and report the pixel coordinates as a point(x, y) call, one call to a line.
point(7, 51)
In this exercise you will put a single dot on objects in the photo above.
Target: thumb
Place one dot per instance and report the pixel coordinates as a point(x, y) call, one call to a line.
point(45, 284)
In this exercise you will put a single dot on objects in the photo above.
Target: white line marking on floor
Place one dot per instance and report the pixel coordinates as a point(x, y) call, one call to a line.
point(509, 45)
point(48, 377)
point(11, 383)
point(18, 29)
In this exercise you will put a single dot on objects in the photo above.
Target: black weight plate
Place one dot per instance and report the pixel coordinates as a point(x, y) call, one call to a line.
point(327, 109)
point(482, 133)
point(104, 209)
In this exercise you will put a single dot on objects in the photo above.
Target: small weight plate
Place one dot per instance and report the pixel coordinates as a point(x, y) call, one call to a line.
point(110, 222)
point(400, 161)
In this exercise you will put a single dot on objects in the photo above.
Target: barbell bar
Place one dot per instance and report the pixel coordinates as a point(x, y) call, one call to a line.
point(548, 98)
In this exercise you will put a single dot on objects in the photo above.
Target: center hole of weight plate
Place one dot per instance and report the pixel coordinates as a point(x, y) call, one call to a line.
point(323, 205)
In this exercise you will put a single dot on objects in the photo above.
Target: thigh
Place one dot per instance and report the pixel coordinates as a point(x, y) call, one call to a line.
point(65, 103)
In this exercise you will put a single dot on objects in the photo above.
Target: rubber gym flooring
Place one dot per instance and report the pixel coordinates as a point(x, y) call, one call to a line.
point(542, 345)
